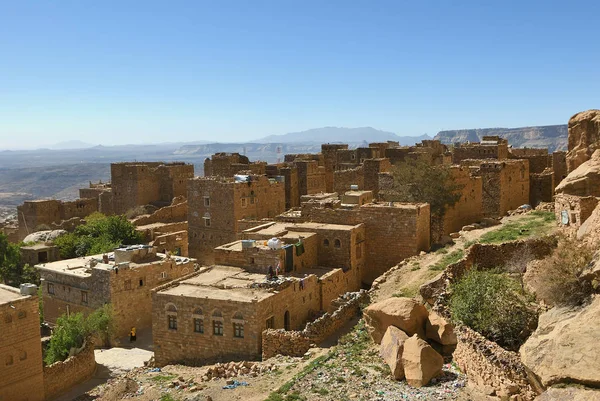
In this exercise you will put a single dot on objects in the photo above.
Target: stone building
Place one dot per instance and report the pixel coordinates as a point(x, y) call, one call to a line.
point(505, 184)
point(21, 367)
point(539, 159)
point(559, 166)
point(228, 164)
point(216, 204)
point(490, 147)
point(39, 253)
point(221, 312)
point(541, 187)
point(124, 279)
point(571, 210)
point(51, 213)
point(147, 183)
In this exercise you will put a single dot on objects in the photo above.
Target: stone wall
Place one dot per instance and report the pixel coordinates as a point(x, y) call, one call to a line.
point(176, 243)
point(575, 208)
point(541, 188)
point(62, 376)
point(296, 343)
point(559, 166)
point(153, 231)
point(176, 212)
point(21, 376)
point(343, 179)
point(469, 208)
point(478, 151)
point(488, 364)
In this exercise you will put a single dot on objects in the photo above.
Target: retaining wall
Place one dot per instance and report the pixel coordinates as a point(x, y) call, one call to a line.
point(62, 376)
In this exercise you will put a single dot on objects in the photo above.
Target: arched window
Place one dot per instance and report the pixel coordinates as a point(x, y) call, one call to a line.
point(325, 242)
point(337, 243)
point(171, 316)
point(217, 322)
point(238, 325)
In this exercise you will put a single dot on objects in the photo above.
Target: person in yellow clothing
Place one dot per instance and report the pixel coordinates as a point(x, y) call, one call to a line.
point(132, 335)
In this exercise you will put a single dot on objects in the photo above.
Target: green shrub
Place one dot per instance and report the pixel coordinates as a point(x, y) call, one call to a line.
point(533, 224)
point(448, 259)
point(494, 305)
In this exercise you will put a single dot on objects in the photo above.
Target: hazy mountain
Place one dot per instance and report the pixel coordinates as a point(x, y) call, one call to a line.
point(343, 135)
point(553, 137)
point(74, 144)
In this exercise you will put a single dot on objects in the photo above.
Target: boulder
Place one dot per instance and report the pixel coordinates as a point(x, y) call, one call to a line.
point(584, 180)
point(573, 393)
point(564, 348)
point(440, 330)
point(584, 137)
point(421, 362)
point(431, 289)
point(391, 349)
point(405, 313)
point(44, 236)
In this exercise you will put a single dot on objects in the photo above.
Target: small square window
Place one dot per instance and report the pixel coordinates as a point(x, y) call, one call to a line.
point(271, 322)
point(238, 330)
point(163, 275)
point(199, 325)
point(243, 202)
point(141, 282)
point(50, 288)
point(206, 201)
point(207, 222)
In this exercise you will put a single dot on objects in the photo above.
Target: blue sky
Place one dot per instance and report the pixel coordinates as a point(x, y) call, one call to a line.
point(116, 72)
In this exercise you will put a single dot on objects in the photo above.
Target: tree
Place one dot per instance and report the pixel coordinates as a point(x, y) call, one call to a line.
point(415, 180)
point(100, 234)
point(10, 261)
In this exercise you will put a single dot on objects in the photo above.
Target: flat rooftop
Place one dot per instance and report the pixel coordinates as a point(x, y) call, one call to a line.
point(225, 283)
point(293, 230)
point(8, 294)
point(37, 247)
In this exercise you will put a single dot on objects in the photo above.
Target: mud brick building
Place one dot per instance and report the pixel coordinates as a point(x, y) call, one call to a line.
point(124, 279)
point(505, 184)
point(21, 367)
point(491, 147)
point(221, 312)
point(39, 253)
point(51, 213)
point(539, 159)
point(215, 204)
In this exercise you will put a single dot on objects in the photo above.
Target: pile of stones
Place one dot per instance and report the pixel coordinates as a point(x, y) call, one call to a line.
point(234, 369)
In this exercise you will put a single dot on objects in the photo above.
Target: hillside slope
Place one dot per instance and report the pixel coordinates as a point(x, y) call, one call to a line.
point(553, 137)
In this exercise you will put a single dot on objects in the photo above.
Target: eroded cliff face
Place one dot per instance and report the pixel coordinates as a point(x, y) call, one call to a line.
point(584, 137)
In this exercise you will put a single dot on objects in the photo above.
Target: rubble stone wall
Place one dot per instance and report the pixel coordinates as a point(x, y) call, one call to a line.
point(62, 376)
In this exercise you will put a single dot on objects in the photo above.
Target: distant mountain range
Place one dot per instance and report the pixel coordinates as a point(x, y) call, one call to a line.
point(553, 137)
point(343, 135)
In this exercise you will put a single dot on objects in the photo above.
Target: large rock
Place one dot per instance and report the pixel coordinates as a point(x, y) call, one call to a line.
point(584, 137)
point(572, 393)
point(421, 362)
point(405, 313)
point(440, 330)
point(44, 236)
point(392, 346)
point(584, 180)
point(564, 348)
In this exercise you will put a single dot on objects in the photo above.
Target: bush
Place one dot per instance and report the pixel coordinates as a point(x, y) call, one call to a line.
point(557, 279)
point(100, 234)
point(71, 331)
point(494, 305)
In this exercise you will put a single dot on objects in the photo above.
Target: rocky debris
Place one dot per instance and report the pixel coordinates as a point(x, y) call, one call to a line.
point(584, 137)
point(392, 346)
point(44, 236)
point(584, 180)
point(573, 393)
point(234, 369)
point(545, 206)
point(421, 362)
point(469, 227)
point(564, 348)
point(440, 330)
point(405, 313)
point(454, 235)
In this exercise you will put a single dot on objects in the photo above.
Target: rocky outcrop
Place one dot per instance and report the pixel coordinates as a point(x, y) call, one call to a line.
point(564, 348)
point(44, 236)
point(584, 180)
point(584, 137)
point(575, 393)
point(421, 362)
point(405, 313)
point(440, 330)
point(392, 346)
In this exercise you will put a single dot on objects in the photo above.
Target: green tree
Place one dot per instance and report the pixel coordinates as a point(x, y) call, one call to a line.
point(494, 305)
point(415, 180)
point(10, 261)
point(100, 234)
point(101, 323)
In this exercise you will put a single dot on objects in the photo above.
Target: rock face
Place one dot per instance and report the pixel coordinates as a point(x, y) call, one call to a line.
point(570, 394)
point(564, 348)
point(584, 137)
point(405, 313)
point(584, 180)
point(44, 236)
point(440, 330)
point(392, 346)
point(421, 362)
